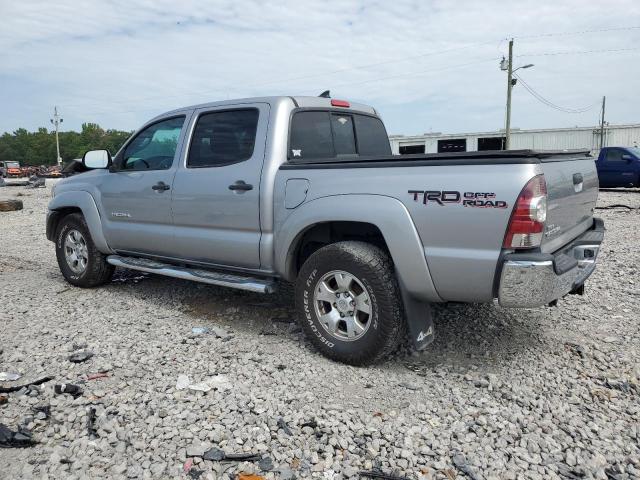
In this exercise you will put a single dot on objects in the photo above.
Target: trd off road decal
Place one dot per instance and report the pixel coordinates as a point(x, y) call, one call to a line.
point(467, 199)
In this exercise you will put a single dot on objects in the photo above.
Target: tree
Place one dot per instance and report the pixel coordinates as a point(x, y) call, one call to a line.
point(39, 147)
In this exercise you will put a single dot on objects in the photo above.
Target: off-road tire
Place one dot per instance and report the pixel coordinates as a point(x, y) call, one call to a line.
point(97, 271)
point(373, 268)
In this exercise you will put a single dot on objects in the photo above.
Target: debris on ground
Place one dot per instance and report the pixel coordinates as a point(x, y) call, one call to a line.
point(200, 330)
point(9, 376)
point(3, 399)
point(91, 423)
point(43, 412)
point(81, 356)
point(73, 390)
point(249, 476)
point(214, 455)
point(461, 463)
point(20, 387)
point(94, 376)
point(187, 465)
point(266, 464)
point(11, 439)
point(380, 474)
point(10, 205)
point(218, 382)
point(283, 425)
point(218, 455)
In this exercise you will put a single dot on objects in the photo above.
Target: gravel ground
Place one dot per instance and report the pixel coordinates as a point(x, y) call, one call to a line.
point(501, 394)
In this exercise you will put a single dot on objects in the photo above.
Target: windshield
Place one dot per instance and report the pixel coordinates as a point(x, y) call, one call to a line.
point(635, 151)
point(13, 164)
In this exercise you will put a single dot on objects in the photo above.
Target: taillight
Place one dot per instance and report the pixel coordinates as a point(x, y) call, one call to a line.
point(527, 220)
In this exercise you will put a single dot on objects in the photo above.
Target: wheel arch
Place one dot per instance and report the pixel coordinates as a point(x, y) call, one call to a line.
point(66, 203)
point(383, 220)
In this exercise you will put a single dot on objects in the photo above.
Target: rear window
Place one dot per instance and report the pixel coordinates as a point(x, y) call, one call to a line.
point(331, 134)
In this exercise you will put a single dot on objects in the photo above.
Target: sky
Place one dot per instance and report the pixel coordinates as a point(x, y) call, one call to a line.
point(426, 66)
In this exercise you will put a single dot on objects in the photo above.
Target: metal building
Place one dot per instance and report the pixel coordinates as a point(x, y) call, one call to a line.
point(540, 139)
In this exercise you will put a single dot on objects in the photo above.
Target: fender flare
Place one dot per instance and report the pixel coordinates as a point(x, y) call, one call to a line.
point(85, 202)
point(388, 214)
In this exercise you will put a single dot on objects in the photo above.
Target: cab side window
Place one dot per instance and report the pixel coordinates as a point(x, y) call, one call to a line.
point(154, 147)
point(614, 156)
point(223, 138)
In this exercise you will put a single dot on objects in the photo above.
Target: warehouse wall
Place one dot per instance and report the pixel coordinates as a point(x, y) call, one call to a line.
point(558, 139)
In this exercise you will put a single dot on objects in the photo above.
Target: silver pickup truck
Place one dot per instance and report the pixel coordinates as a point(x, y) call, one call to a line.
point(258, 193)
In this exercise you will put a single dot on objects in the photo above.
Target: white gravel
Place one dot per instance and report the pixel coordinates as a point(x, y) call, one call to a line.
point(502, 394)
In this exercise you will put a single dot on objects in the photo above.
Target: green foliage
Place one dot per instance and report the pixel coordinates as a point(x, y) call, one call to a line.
point(39, 147)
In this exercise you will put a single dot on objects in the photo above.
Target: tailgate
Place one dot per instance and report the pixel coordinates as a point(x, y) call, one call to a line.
point(572, 191)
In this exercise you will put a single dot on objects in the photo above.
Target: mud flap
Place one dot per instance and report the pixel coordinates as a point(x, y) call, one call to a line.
point(419, 320)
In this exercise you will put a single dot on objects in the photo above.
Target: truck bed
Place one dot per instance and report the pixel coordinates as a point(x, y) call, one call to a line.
point(489, 157)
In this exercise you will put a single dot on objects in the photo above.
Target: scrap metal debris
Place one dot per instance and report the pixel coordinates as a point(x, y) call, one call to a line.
point(249, 476)
point(73, 390)
point(380, 474)
point(94, 376)
point(218, 455)
point(82, 356)
point(10, 439)
point(20, 387)
point(283, 425)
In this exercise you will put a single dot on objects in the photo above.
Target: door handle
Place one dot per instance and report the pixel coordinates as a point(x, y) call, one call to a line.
point(577, 178)
point(160, 187)
point(241, 186)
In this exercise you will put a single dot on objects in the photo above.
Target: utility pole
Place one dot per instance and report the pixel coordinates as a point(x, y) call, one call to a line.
point(604, 99)
point(57, 120)
point(507, 128)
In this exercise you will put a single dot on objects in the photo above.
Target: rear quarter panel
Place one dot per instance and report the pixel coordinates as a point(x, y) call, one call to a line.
point(461, 244)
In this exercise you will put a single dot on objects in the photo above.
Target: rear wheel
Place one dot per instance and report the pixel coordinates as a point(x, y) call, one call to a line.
point(79, 260)
point(349, 302)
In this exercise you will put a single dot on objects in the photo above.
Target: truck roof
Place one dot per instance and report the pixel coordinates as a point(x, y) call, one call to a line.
point(295, 101)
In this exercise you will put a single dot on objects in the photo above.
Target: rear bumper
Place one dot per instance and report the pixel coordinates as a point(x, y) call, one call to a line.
point(535, 279)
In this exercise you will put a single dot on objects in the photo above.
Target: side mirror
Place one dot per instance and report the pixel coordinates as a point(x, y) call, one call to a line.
point(96, 159)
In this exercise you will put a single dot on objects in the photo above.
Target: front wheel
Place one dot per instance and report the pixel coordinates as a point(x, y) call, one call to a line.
point(80, 262)
point(349, 302)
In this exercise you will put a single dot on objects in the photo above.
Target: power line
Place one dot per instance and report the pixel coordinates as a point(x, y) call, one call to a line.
point(578, 32)
point(549, 103)
point(578, 52)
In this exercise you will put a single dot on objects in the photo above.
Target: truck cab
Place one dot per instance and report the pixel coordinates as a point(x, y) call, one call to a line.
point(619, 167)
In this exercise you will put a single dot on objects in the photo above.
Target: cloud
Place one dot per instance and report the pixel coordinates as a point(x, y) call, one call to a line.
point(424, 64)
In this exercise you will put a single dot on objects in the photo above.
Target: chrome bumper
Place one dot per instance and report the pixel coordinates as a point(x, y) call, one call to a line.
point(532, 280)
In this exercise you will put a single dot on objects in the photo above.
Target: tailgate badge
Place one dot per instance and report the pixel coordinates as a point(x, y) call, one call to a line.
point(551, 229)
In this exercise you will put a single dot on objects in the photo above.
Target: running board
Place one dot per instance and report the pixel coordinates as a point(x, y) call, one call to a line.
point(211, 277)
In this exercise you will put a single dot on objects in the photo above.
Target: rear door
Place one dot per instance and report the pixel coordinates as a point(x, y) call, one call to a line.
point(135, 200)
point(216, 194)
point(572, 192)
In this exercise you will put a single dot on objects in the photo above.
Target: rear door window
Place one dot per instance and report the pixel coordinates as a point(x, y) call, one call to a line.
point(223, 138)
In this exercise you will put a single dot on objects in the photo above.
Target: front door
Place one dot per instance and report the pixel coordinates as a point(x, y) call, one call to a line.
point(216, 194)
point(136, 198)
